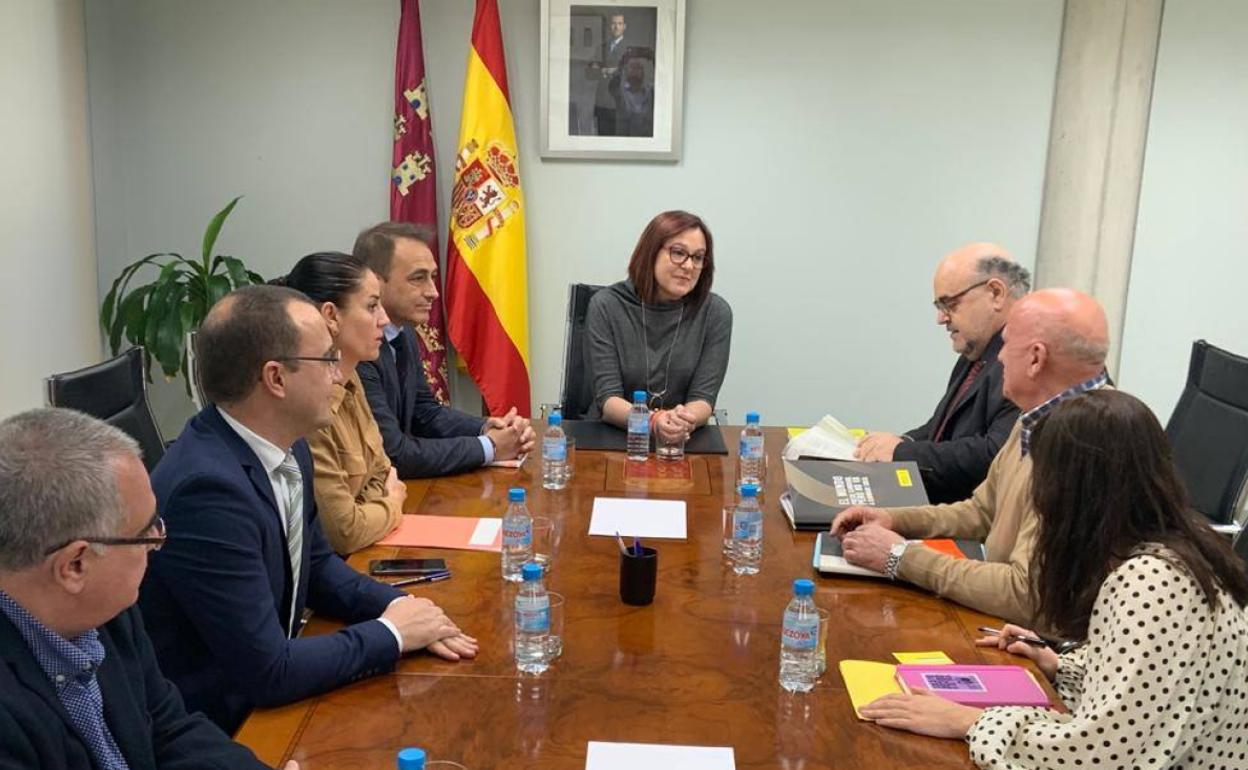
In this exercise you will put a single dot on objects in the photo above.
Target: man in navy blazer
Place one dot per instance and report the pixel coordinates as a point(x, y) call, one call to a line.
point(79, 685)
point(422, 437)
point(975, 287)
point(224, 599)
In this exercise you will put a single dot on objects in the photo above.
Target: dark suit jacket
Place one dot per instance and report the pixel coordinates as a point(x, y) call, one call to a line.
point(143, 710)
point(216, 597)
point(422, 437)
point(980, 423)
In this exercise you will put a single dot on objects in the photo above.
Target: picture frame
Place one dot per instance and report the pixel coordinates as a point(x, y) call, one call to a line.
point(612, 79)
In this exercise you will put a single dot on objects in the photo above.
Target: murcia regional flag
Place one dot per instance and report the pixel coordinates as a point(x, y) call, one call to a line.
point(487, 287)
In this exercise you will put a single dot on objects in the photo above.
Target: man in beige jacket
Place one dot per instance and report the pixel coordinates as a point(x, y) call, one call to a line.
point(1055, 342)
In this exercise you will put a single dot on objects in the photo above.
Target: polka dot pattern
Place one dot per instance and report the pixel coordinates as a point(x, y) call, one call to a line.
point(1162, 682)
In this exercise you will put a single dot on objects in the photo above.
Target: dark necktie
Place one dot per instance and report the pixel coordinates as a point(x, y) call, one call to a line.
point(400, 357)
point(967, 381)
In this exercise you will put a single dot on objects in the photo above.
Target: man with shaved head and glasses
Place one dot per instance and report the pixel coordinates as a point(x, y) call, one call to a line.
point(974, 288)
point(80, 688)
point(224, 599)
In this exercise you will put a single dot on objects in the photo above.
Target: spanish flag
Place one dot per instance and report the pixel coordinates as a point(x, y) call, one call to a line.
point(487, 287)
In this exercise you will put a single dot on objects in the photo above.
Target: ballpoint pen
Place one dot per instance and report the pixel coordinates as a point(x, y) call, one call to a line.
point(1032, 640)
point(433, 577)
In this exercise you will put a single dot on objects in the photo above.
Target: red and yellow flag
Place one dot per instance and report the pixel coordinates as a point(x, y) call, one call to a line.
point(487, 286)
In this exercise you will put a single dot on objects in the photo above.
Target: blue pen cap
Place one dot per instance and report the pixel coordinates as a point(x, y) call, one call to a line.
point(412, 759)
point(749, 490)
point(751, 418)
point(639, 396)
point(803, 587)
point(554, 419)
point(516, 494)
point(533, 571)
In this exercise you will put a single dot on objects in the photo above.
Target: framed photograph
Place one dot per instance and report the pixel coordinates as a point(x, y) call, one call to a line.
point(612, 75)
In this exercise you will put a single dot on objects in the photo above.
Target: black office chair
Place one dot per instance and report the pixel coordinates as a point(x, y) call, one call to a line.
point(115, 392)
point(575, 391)
point(1209, 432)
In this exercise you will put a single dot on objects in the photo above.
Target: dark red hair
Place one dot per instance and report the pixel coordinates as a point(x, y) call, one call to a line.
point(662, 228)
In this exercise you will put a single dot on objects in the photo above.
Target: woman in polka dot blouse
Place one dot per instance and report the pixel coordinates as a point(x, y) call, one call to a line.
point(1123, 563)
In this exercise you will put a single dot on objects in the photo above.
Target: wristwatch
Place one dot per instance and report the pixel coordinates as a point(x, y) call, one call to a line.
point(893, 562)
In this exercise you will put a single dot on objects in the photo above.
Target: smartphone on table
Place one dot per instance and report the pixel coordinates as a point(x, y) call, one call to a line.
point(406, 566)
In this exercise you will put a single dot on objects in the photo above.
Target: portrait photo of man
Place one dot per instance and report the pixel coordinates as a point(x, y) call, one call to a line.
point(611, 88)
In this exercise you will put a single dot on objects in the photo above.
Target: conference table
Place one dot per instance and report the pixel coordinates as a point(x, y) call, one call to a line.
point(697, 667)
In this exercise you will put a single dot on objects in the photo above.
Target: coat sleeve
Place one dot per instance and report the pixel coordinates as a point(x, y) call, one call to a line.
point(213, 567)
point(708, 375)
point(418, 456)
point(351, 521)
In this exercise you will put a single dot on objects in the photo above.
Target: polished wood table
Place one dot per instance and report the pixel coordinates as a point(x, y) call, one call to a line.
point(697, 667)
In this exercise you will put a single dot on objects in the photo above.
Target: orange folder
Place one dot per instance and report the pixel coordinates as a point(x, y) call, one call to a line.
point(467, 533)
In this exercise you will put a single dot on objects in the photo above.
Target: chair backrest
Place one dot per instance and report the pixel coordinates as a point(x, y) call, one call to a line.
point(1209, 431)
point(575, 393)
point(116, 392)
point(192, 369)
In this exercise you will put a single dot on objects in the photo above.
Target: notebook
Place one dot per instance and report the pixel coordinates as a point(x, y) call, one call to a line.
point(820, 489)
point(980, 686)
point(829, 559)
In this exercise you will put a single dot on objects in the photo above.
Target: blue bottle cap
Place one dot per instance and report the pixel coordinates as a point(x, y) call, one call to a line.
point(412, 759)
point(639, 396)
point(749, 490)
point(804, 587)
point(554, 419)
point(533, 571)
point(516, 494)
point(751, 418)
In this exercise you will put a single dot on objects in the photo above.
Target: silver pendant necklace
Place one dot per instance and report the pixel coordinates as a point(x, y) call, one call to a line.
point(655, 400)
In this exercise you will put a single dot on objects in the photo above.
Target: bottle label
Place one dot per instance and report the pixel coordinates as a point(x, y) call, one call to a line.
point(800, 634)
point(555, 449)
point(517, 533)
point(746, 526)
point(752, 447)
point(639, 422)
point(534, 619)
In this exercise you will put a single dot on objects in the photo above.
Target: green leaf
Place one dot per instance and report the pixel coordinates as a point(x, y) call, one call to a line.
point(132, 313)
point(117, 293)
point(214, 229)
point(218, 287)
point(255, 277)
point(238, 273)
point(169, 337)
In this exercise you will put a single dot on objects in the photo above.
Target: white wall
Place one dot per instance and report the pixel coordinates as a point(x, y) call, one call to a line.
point(47, 250)
point(837, 149)
point(1189, 271)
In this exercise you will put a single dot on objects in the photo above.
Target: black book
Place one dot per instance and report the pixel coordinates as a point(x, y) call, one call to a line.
point(820, 489)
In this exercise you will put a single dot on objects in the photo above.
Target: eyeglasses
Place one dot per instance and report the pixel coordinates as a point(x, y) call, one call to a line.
point(679, 256)
point(949, 303)
point(334, 360)
point(158, 537)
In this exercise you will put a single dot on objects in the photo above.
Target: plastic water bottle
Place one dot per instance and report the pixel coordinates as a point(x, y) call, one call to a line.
point(533, 621)
point(517, 536)
point(411, 759)
point(750, 458)
point(799, 639)
point(554, 454)
point(639, 428)
point(747, 532)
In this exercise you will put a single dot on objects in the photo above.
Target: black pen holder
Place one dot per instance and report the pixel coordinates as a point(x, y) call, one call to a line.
point(637, 576)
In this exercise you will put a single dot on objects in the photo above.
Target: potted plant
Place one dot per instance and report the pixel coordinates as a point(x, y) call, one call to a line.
point(158, 315)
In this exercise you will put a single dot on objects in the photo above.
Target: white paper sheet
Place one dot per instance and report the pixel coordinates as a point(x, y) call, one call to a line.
point(827, 438)
point(632, 517)
point(629, 756)
point(485, 531)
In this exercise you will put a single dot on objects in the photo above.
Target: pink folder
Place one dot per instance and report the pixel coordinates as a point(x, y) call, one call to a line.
point(980, 686)
point(460, 532)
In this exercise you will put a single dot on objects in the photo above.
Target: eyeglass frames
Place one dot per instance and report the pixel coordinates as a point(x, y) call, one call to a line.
point(948, 303)
point(679, 256)
point(158, 537)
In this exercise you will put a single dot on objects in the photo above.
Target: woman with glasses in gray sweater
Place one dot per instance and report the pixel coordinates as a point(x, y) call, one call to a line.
point(661, 331)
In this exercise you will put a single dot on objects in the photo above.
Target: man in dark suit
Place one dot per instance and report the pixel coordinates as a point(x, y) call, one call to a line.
point(422, 437)
point(79, 685)
point(246, 555)
point(975, 287)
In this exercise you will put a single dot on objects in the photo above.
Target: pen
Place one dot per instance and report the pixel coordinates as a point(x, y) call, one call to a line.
point(637, 546)
point(620, 540)
point(430, 578)
point(1032, 640)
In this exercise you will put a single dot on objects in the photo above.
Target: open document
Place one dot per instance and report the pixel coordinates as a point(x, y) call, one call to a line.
point(828, 439)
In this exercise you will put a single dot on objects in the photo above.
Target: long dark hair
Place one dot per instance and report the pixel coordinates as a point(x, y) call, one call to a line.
point(662, 227)
point(326, 276)
point(1102, 483)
